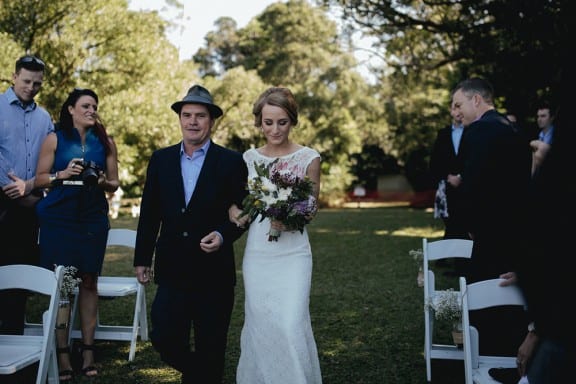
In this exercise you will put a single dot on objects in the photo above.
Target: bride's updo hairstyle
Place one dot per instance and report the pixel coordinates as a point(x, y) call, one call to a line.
point(278, 97)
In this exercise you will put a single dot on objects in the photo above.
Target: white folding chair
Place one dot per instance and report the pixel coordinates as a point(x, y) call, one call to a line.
point(480, 295)
point(437, 250)
point(119, 286)
point(20, 351)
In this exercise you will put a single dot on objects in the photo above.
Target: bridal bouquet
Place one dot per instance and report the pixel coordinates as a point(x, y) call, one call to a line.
point(278, 195)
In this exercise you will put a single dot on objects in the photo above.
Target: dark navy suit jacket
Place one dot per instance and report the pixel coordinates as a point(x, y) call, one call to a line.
point(495, 180)
point(169, 230)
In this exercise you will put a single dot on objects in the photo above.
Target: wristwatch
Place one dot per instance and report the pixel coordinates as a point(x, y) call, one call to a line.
point(52, 177)
point(531, 327)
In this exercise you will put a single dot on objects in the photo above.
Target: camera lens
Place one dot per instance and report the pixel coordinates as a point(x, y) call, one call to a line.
point(90, 173)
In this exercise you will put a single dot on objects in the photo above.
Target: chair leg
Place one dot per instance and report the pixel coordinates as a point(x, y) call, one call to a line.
point(143, 316)
point(73, 316)
point(135, 330)
point(140, 324)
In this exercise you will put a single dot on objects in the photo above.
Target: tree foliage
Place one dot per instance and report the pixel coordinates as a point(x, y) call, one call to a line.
point(425, 48)
point(297, 45)
point(516, 44)
point(123, 55)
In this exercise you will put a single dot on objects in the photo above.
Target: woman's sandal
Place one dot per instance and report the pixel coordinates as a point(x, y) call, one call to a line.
point(91, 370)
point(65, 375)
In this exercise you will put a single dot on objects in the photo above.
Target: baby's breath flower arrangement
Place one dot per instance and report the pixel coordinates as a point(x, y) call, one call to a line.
point(70, 282)
point(417, 255)
point(446, 305)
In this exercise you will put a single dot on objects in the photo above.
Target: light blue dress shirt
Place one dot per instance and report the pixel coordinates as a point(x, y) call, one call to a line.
point(191, 166)
point(546, 136)
point(23, 129)
point(456, 136)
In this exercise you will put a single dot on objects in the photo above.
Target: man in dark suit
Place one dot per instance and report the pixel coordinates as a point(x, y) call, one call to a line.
point(446, 166)
point(495, 179)
point(184, 224)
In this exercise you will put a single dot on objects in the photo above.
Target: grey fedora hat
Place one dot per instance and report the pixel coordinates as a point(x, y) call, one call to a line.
point(198, 95)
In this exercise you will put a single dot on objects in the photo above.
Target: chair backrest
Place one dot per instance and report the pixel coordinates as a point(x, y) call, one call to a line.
point(119, 252)
point(122, 237)
point(436, 250)
point(42, 281)
point(481, 295)
point(441, 249)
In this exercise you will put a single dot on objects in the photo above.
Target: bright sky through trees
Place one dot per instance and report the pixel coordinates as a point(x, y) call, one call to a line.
point(198, 18)
point(195, 21)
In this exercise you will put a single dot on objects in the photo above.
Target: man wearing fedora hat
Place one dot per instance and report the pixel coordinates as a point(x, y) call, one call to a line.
point(184, 224)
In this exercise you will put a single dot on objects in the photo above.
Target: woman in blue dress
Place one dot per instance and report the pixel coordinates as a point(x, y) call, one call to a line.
point(78, 164)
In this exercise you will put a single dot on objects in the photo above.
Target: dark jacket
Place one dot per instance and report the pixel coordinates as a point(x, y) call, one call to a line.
point(545, 273)
point(495, 179)
point(170, 230)
point(443, 159)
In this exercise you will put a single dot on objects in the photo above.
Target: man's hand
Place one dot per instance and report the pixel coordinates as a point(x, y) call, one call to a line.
point(525, 352)
point(143, 274)
point(510, 278)
point(211, 242)
point(19, 188)
point(454, 180)
point(234, 214)
point(539, 151)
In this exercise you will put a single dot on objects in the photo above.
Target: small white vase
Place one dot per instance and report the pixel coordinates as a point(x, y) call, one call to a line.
point(457, 335)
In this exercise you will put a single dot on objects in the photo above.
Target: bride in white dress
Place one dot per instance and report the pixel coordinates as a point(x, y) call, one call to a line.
point(277, 342)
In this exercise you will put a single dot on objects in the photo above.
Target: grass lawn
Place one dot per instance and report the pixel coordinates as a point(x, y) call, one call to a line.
point(365, 304)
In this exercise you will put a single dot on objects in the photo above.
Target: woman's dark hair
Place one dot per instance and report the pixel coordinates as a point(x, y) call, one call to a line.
point(67, 125)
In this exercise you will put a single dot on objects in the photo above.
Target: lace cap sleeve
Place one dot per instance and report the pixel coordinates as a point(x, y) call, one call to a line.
point(305, 156)
point(296, 162)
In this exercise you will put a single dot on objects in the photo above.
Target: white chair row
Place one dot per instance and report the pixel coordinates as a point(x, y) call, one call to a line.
point(474, 296)
point(20, 351)
point(113, 287)
point(432, 251)
point(477, 296)
point(118, 286)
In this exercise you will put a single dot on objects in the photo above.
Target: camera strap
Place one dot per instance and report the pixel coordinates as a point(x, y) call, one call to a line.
point(72, 182)
point(67, 182)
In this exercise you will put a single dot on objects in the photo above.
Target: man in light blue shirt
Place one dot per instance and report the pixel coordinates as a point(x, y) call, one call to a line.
point(23, 127)
point(544, 119)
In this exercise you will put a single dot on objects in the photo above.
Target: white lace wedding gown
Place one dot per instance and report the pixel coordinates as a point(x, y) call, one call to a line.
point(277, 342)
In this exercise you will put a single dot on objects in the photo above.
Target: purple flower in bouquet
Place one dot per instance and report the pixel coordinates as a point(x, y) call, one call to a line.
point(277, 194)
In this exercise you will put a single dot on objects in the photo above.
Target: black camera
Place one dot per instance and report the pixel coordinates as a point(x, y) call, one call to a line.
point(90, 172)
